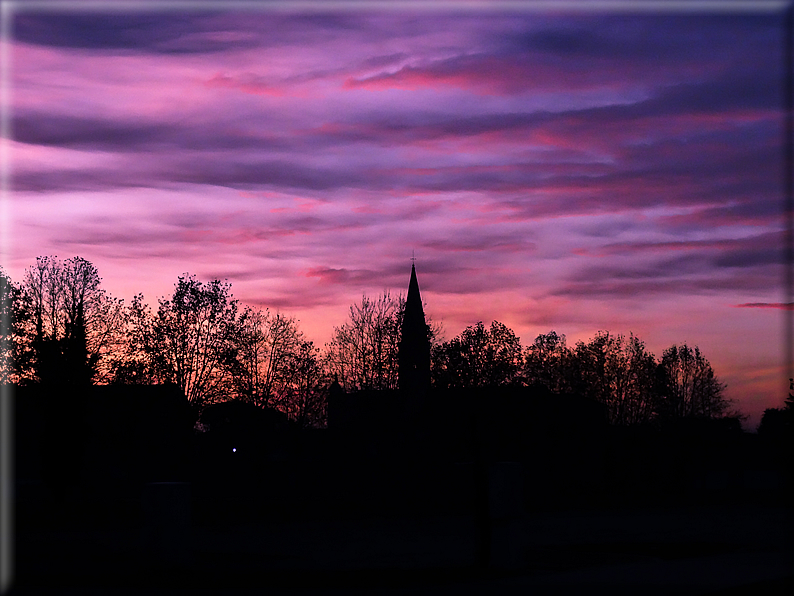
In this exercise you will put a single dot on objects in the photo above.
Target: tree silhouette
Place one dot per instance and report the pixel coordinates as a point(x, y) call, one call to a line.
point(135, 364)
point(548, 362)
point(199, 341)
point(194, 329)
point(72, 324)
point(779, 422)
point(689, 387)
point(478, 357)
point(10, 304)
point(264, 347)
point(619, 373)
point(363, 352)
point(61, 326)
point(187, 342)
point(305, 395)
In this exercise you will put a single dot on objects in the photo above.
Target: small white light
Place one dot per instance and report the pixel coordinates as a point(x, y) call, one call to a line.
point(234, 449)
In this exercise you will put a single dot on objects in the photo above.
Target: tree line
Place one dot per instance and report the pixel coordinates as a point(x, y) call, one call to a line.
point(60, 327)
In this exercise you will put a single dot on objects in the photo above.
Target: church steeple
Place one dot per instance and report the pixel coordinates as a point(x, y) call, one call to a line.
point(414, 358)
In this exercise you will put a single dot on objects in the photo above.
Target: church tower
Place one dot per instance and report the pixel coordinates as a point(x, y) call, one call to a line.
point(414, 358)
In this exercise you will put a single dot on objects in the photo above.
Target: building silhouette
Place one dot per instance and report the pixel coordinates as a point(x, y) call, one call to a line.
point(414, 356)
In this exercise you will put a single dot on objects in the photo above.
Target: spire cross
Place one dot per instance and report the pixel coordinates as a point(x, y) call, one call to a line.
point(413, 258)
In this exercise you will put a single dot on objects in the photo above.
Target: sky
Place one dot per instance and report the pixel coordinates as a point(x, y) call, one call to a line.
point(572, 171)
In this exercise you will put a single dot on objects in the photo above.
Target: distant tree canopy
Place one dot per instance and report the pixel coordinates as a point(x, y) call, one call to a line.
point(689, 386)
point(60, 326)
point(614, 370)
point(479, 356)
point(623, 375)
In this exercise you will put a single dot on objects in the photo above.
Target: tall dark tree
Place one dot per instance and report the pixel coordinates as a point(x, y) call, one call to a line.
point(189, 341)
point(194, 330)
point(690, 388)
point(264, 347)
point(73, 324)
point(306, 390)
point(618, 372)
point(363, 352)
point(136, 362)
point(547, 362)
point(478, 357)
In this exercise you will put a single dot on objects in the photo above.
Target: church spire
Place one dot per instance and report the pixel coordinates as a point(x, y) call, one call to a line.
point(414, 358)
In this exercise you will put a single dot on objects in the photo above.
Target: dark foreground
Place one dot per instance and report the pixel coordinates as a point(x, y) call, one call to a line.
point(489, 492)
point(732, 549)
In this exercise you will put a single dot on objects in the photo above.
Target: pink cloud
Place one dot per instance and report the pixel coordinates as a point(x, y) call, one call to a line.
point(327, 275)
point(492, 74)
point(479, 77)
point(251, 86)
point(775, 305)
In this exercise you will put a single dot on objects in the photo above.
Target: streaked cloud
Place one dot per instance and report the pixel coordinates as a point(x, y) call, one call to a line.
point(780, 305)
